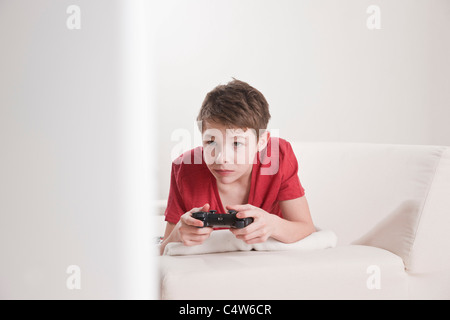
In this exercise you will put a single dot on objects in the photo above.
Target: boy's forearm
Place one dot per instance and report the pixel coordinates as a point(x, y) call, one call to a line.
point(290, 231)
point(173, 237)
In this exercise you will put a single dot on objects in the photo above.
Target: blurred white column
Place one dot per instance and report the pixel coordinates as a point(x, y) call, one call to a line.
point(139, 151)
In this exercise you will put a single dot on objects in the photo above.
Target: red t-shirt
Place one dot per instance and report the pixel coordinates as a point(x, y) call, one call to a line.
point(274, 178)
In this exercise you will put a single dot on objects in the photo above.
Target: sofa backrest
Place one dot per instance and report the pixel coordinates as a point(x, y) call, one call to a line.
point(396, 197)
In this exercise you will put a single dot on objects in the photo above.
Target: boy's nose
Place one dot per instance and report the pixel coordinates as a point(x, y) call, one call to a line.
point(221, 157)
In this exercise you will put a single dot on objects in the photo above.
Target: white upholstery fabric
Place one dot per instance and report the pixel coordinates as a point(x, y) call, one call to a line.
point(336, 273)
point(225, 241)
point(367, 193)
point(431, 249)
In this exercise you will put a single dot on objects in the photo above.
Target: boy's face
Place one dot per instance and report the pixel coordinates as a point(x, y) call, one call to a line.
point(230, 153)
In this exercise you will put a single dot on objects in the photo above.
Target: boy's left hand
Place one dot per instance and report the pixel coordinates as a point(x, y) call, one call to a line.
point(259, 230)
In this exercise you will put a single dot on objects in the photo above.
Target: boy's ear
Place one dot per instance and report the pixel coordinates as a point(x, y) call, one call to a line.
point(263, 139)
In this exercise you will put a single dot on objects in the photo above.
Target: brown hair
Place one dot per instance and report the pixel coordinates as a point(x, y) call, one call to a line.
point(236, 104)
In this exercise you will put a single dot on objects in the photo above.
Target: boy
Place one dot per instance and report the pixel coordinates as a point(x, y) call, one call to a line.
point(234, 171)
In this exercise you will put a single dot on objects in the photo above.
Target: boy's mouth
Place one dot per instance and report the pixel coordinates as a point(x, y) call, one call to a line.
point(223, 172)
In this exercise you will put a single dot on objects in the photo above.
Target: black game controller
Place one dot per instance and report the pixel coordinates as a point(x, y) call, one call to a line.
point(213, 219)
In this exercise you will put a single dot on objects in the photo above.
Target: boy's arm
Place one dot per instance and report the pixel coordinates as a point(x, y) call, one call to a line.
point(296, 224)
point(188, 230)
point(169, 236)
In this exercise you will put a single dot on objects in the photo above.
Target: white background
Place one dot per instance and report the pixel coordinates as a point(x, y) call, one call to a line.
point(326, 76)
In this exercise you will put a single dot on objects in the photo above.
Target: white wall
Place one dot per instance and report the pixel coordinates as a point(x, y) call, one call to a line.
point(74, 136)
point(326, 76)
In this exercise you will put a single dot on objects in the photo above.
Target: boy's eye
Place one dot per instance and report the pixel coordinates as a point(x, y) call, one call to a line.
point(210, 142)
point(237, 144)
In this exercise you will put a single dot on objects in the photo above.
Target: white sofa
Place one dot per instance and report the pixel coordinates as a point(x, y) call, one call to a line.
point(389, 206)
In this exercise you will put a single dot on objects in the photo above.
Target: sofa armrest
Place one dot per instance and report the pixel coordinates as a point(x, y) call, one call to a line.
point(430, 251)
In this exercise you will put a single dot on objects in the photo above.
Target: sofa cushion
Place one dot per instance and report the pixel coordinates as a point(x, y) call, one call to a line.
point(225, 241)
point(346, 272)
point(369, 194)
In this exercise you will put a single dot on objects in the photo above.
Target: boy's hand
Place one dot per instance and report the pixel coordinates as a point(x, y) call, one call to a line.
point(259, 230)
point(188, 228)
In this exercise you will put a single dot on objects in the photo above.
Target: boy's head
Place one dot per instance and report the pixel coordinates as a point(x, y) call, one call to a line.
point(233, 120)
point(236, 105)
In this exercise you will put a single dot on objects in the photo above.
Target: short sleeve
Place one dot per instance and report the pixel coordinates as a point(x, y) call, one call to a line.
point(290, 187)
point(175, 204)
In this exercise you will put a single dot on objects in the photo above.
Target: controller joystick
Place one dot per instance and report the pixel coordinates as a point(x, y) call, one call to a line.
point(214, 219)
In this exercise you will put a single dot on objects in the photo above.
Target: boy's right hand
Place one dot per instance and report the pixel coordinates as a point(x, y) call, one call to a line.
point(188, 228)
